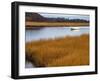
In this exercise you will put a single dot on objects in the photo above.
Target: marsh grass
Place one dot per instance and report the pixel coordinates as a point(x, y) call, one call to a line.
point(65, 51)
point(55, 24)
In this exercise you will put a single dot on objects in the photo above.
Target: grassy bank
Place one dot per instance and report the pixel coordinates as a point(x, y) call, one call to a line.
point(55, 24)
point(67, 51)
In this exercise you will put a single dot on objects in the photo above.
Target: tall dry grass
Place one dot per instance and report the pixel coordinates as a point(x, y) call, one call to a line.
point(67, 51)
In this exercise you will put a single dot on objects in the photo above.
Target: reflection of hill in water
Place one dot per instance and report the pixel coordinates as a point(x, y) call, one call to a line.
point(35, 28)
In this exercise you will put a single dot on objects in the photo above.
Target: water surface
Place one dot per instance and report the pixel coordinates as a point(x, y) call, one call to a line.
point(52, 32)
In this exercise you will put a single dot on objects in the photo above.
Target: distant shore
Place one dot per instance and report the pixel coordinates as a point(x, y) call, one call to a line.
point(30, 24)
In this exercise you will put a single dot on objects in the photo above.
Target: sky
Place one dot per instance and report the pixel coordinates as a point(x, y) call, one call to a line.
point(70, 16)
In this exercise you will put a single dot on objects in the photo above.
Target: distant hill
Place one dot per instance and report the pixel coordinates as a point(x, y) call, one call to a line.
point(30, 16)
point(34, 17)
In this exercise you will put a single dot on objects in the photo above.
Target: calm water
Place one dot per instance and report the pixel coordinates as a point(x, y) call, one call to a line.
point(53, 32)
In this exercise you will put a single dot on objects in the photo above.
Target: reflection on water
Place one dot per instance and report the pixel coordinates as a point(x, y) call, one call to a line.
point(52, 32)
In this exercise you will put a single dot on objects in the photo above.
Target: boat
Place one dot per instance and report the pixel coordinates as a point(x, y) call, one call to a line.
point(75, 28)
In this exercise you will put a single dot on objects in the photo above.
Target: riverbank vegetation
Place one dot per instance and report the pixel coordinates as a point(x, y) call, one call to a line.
point(55, 24)
point(65, 51)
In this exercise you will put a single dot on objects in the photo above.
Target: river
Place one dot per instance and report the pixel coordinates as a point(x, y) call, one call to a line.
point(52, 32)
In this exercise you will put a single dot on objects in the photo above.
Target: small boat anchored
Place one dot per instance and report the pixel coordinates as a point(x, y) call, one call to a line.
point(75, 28)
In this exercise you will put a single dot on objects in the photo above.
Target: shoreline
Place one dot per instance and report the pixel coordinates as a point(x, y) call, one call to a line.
point(54, 24)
